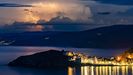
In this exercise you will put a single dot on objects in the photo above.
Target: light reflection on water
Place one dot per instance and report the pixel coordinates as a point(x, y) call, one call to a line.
point(86, 70)
point(101, 70)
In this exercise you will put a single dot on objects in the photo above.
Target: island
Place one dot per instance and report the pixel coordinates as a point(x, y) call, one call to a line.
point(56, 58)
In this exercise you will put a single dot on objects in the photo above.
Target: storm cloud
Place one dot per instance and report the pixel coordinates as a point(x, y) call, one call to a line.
point(75, 14)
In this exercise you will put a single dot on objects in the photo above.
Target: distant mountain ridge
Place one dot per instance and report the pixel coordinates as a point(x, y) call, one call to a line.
point(117, 36)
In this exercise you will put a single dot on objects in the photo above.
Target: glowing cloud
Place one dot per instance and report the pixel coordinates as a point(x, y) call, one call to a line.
point(47, 10)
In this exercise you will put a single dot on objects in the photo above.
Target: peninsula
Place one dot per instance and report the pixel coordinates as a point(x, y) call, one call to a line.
point(55, 58)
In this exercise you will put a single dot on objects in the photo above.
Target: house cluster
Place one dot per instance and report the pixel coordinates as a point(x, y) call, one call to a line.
point(77, 57)
point(84, 59)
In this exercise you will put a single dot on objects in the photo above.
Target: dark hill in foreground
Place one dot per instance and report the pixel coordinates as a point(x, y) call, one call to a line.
point(117, 36)
point(51, 58)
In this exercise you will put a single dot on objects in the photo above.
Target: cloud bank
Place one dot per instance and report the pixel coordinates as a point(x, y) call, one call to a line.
point(58, 23)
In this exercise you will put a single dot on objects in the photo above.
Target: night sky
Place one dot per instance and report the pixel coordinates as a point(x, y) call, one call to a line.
point(63, 15)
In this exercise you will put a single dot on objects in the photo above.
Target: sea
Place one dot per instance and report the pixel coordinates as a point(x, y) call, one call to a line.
point(9, 53)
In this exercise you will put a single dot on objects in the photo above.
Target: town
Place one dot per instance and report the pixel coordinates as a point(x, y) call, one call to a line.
point(125, 58)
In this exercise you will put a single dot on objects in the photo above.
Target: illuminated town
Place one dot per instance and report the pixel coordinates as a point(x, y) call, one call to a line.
point(125, 58)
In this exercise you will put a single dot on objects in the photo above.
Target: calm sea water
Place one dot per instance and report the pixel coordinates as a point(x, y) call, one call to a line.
point(10, 53)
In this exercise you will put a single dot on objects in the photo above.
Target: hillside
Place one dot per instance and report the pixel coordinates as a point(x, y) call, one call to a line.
point(51, 58)
point(119, 36)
